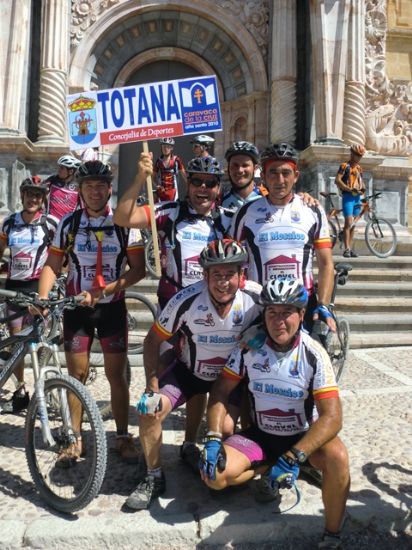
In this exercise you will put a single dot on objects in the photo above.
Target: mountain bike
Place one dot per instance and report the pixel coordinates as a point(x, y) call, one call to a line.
point(335, 343)
point(380, 235)
point(48, 425)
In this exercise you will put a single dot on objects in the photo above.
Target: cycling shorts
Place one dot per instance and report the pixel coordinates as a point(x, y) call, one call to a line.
point(351, 204)
point(108, 320)
point(260, 447)
point(20, 286)
point(178, 384)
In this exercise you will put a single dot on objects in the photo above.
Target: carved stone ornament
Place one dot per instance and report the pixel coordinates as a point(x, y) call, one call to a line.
point(84, 14)
point(388, 106)
point(254, 14)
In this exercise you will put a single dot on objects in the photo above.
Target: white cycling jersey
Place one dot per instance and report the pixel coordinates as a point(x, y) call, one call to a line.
point(284, 386)
point(83, 253)
point(183, 234)
point(28, 243)
point(206, 339)
point(281, 239)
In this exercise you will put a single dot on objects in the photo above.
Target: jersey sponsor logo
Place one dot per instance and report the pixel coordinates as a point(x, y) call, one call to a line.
point(267, 219)
point(193, 270)
point(262, 209)
point(208, 322)
point(93, 248)
point(270, 388)
point(295, 216)
point(89, 273)
point(22, 262)
point(216, 339)
point(279, 421)
point(262, 367)
point(237, 316)
point(209, 369)
point(290, 236)
point(202, 308)
point(282, 267)
point(202, 339)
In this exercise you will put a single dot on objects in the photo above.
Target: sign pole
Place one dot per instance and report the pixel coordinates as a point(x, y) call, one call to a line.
point(149, 185)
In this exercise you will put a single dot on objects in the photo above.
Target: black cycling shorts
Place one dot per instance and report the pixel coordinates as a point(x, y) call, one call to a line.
point(108, 320)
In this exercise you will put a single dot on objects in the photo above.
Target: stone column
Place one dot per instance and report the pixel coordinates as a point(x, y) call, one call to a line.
point(329, 29)
point(14, 48)
point(354, 119)
point(283, 72)
point(53, 71)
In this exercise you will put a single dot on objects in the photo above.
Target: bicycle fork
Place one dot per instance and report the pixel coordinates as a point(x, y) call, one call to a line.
point(40, 376)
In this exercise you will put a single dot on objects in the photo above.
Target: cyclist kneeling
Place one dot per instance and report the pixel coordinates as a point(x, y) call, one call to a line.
point(287, 375)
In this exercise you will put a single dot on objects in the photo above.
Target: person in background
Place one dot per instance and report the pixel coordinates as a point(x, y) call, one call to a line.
point(63, 189)
point(166, 171)
point(201, 145)
point(349, 180)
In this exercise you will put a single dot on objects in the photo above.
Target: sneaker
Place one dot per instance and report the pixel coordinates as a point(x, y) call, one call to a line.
point(68, 456)
point(127, 449)
point(264, 492)
point(347, 253)
point(190, 455)
point(312, 473)
point(353, 254)
point(19, 401)
point(330, 542)
point(149, 488)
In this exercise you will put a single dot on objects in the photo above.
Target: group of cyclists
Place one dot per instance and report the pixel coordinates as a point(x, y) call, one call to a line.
point(236, 302)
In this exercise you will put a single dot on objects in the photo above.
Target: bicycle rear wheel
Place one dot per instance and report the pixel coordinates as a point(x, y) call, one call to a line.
point(141, 313)
point(66, 489)
point(333, 232)
point(339, 347)
point(380, 237)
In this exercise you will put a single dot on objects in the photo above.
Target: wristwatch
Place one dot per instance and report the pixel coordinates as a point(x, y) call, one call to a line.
point(300, 455)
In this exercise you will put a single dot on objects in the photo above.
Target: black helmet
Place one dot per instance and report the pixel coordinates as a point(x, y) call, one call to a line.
point(284, 292)
point(242, 148)
point(222, 252)
point(94, 170)
point(204, 165)
point(33, 182)
point(279, 151)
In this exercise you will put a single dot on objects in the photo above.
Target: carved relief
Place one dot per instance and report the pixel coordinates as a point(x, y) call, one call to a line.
point(84, 14)
point(254, 15)
point(388, 105)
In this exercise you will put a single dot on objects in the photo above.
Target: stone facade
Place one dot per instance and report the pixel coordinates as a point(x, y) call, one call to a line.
point(357, 68)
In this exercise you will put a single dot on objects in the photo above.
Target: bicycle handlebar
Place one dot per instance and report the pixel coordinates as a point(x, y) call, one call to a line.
point(23, 298)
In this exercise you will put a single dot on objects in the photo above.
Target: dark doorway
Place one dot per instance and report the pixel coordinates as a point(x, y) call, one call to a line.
point(157, 71)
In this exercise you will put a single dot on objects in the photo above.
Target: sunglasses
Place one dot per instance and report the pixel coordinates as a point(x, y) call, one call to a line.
point(197, 182)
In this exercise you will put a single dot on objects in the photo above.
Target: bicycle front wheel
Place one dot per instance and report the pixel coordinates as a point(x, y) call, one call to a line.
point(380, 237)
point(141, 313)
point(339, 347)
point(71, 488)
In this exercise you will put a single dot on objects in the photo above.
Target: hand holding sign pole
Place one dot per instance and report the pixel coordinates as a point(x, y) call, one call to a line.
point(155, 240)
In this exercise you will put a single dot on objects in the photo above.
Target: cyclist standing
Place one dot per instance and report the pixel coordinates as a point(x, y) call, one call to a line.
point(201, 145)
point(296, 411)
point(98, 252)
point(63, 188)
point(349, 180)
point(209, 317)
point(166, 171)
point(28, 234)
point(282, 233)
point(242, 160)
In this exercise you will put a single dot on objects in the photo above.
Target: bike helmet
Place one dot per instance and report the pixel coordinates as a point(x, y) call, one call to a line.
point(242, 148)
point(94, 170)
point(284, 292)
point(279, 151)
point(204, 165)
point(33, 182)
point(358, 149)
point(167, 141)
point(72, 163)
point(222, 252)
point(202, 139)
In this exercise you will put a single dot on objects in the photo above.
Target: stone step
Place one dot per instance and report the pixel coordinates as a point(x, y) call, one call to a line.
point(350, 304)
point(379, 339)
point(368, 288)
point(370, 322)
point(393, 275)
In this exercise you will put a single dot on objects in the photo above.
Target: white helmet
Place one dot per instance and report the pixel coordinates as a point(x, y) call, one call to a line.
point(203, 139)
point(69, 162)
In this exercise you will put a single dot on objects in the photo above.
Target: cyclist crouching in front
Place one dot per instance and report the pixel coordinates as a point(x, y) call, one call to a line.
point(97, 252)
point(295, 410)
point(209, 317)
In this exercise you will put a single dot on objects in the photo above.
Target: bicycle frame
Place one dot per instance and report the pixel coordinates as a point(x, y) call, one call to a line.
point(30, 341)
